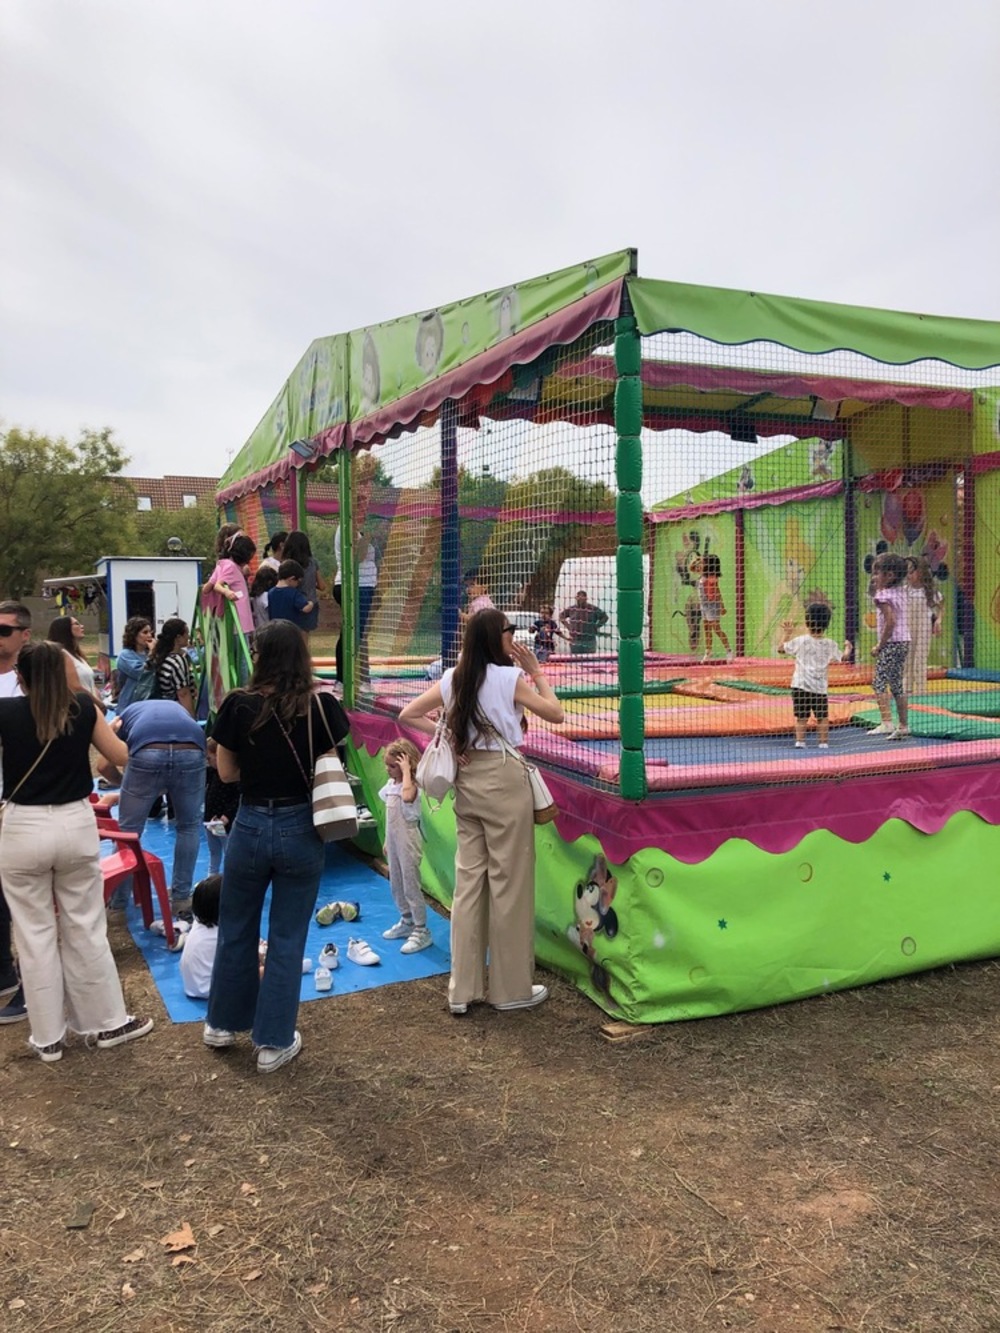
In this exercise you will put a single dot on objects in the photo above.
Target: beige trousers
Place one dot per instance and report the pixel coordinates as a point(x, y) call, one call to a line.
point(49, 859)
point(494, 905)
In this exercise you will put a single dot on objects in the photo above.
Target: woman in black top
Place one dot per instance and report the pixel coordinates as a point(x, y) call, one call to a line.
point(50, 855)
point(263, 738)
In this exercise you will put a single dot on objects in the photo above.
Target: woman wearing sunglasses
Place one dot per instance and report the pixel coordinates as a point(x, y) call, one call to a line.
point(485, 697)
point(68, 633)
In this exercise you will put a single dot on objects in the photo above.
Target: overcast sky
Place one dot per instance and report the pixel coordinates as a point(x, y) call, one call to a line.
point(193, 190)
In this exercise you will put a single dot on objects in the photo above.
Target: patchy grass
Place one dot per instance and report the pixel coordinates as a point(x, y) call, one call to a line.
point(820, 1166)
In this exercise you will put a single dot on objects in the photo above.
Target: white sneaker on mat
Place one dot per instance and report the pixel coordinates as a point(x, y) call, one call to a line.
point(420, 938)
point(361, 952)
point(329, 957)
point(883, 729)
point(402, 930)
point(900, 734)
point(323, 979)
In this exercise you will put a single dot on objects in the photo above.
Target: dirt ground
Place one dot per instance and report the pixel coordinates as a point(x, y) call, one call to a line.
point(830, 1165)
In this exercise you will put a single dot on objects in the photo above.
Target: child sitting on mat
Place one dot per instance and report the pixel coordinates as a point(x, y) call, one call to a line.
point(813, 653)
point(403, 847)
point(201, 940)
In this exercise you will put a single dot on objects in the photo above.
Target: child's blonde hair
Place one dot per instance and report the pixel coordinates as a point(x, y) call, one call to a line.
point(401, 747)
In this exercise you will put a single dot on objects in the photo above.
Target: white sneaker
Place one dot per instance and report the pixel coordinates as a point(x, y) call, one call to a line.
point(420, 938)
point(270, 1058)
point(402, 930)
point(538, 995)
point(883, 729)
point(217, 1037)
point(800, 745)
point(361, 952)
point(329, 957)
point(900, 734)
point(822, 746)
point(323, 979)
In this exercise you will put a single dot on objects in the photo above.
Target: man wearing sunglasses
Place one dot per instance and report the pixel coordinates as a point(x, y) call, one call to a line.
point(15, 631)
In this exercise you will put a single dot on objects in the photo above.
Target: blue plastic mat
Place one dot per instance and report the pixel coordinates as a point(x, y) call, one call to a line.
point(345, 878)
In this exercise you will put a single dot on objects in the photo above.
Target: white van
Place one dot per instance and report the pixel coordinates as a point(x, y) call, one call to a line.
point(597, 576)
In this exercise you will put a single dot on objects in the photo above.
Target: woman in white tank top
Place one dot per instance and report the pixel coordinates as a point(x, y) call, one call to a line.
point(493, 911)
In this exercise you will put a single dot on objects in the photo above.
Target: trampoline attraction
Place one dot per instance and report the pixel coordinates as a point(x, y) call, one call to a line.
point(585, 449)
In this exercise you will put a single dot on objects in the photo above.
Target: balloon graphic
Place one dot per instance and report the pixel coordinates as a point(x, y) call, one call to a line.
point(892, 516)
point(914, 515)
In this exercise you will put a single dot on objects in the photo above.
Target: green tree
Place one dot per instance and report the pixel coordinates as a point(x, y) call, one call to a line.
point(195, 528)
point(61, 506)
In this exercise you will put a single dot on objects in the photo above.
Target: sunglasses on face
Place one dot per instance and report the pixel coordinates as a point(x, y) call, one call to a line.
point(7, 630)
point(509, 629)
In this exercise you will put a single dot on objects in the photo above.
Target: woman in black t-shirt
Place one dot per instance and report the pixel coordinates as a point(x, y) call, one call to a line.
point(50, 855)
point(263, 738)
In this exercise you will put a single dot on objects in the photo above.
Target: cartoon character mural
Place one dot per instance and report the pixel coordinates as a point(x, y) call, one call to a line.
point(594, 916)
point(371, 375)
point(430, 341)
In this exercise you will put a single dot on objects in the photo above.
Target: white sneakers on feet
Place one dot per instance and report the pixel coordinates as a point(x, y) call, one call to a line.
point(270, 1058)
point(900, 734)
point(361, 952)
point(419, 938)
point(402, 930)
point(539, 994)
point(883, 729)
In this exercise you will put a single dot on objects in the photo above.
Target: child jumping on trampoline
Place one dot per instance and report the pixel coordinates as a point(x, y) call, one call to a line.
point(403, 847)
point(708, 569)
point(813, 653)
point(893, 646)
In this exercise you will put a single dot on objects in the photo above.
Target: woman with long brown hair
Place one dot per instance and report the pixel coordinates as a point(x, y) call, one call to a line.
point(50, 855)
point(493, 911)
point(263, 737)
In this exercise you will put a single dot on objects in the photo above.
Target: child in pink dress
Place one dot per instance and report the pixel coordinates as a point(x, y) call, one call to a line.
point(227, 580)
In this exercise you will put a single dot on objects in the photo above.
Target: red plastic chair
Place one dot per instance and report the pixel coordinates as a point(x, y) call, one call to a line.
point(146, 870)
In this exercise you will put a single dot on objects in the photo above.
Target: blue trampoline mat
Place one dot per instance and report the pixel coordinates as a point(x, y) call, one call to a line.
point(345, 878)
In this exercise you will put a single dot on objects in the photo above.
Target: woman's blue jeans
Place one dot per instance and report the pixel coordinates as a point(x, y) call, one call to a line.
point(277, 847)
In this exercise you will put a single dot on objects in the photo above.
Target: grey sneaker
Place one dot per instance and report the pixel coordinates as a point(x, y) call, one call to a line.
point(270, 1058)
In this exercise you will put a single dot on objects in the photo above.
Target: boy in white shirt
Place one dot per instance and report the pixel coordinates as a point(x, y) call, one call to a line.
point(813, 653)
point(202, 939)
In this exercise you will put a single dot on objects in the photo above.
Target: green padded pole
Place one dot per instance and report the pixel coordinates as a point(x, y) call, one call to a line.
point(348, 590)
point(628, 524)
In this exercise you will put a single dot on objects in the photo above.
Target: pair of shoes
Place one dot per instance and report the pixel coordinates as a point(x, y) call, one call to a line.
point(217, 1038)
point(900, 734)
point(420, 938)
point(883, 729)
point(822, 746)
point(538, 995)
point(323, 979)
point(800, 745)
point(329, 957)
point(338, 911)
point(15, 1009)
point(402, 930)
point(129, 1031)
point(270, 1058)
point(51, 1053)
point(361, 952)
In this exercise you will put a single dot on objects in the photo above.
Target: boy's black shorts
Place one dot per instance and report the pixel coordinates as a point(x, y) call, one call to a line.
point(805, 702)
